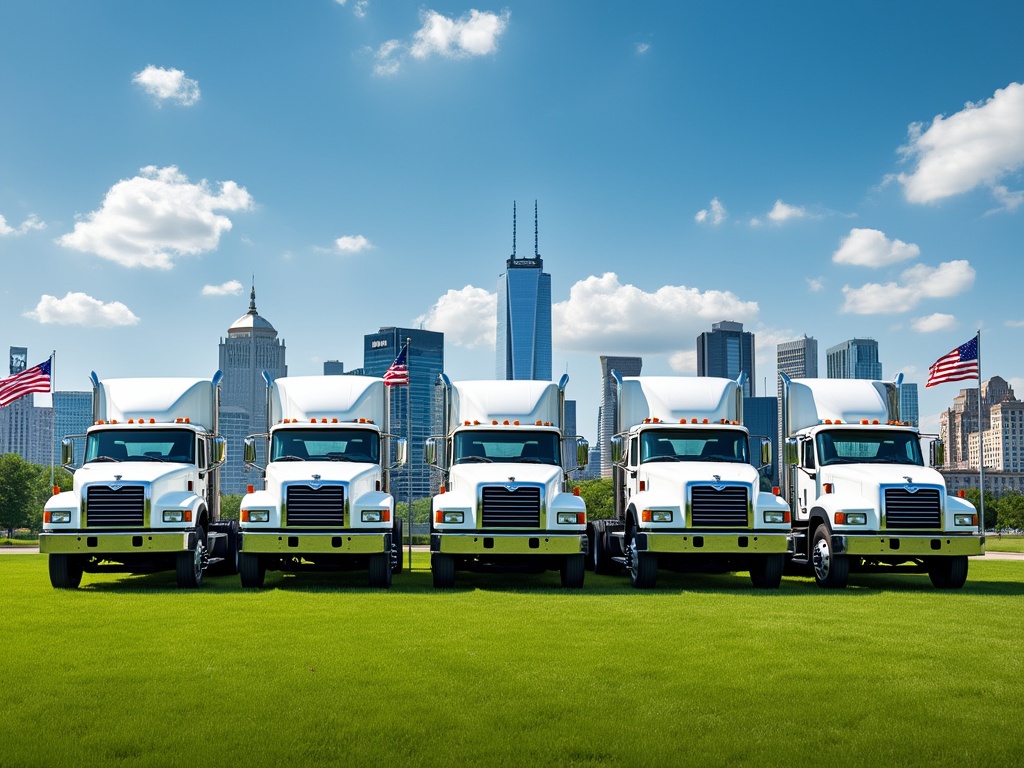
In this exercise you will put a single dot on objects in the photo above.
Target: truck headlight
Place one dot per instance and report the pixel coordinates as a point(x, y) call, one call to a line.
point(372, 515)
point(775, 517)
point(571, 518)
point(255, 515)
point(851, 518)
point(444, 516)
point(656, 516)
point(173, 516)
point(957, 519)
point(57, 517)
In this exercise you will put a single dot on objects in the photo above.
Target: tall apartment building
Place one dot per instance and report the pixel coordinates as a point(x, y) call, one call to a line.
point(959, 429)
point(726, 351)
point(853, 359)
point(425, 362)
point(626, 366)
point(251, 347)
point(523, 343)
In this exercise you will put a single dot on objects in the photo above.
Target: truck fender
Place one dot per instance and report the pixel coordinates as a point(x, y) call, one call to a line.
point(183, 500)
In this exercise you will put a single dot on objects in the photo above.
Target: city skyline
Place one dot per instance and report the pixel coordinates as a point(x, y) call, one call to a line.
point(367, 181)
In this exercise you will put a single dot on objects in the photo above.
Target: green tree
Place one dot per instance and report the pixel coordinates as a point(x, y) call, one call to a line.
point(972, 495)
point(420, 511)
point(599, 498)
point(229, 506)
point(1010, 509)
point(43, 489)
point(19, 492)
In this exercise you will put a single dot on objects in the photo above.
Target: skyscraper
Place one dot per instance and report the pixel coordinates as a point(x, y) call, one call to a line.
point(761, 418)
point(250, 348)
point(853, 359)
point(72, 415)
point(523, 343)
point(626, 366)
point(908, 404)
point(726, 352)
point(25, 429)
point(425, 363)
point(798, 360)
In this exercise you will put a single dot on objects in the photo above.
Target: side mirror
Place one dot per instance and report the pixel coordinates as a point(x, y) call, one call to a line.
point(582, 453)
point(618, 449)
point(401, 452)
point(220, 450)
point(430, 451)
point(249, 451)
point(766, 452)
point(791, 452)
point(938, 454)
point(67, 452)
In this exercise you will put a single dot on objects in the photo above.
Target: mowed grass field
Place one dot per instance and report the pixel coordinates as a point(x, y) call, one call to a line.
point(511, 670)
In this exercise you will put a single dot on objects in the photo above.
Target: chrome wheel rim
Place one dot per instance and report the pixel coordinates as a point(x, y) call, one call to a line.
point(822, 558)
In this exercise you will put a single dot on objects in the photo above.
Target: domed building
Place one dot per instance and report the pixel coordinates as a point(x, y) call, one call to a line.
point(250, 348)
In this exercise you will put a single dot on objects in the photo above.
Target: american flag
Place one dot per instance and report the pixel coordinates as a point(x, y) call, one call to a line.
point(34, 379)
point(958, 365)
point(398, 374)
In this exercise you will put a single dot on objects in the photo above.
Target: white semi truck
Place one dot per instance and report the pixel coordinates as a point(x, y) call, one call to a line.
point(503, 502)
point(687, 496)
point(147, 496)
point(325, 504)
point(861, 495)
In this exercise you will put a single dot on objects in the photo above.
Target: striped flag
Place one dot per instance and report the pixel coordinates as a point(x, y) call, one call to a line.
point(958, 365)
point(34, 379)
point(398, 374)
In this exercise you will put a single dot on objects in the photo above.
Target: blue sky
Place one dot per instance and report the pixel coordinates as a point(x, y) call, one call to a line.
point(832, 169)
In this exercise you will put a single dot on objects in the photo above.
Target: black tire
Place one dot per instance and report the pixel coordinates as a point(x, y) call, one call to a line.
point(396, 545)
point(573, 571)
point(65, 571)
point(442, 567)
point(380, 569)
point(945, 572)
point(643, 569)
point(252, 570)
point(831, 571)
point(766, 571)
point(190, 563)
point(229, 565)
point(600, 556)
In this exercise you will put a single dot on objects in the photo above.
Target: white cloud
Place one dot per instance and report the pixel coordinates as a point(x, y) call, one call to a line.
point(467, 318)
point(919, 282)
point(815, 284)
point(977, 146)
point(389, 58)
point(359, 8)
point(230, 288)
point(350, 244)
point(168, 85)
point(474, 34)
point(1014, 323)
point(642, 48)
point(604, 316)
point(714, 214)
point(871, 248)
point(684, 362)
point(149, 219)
point(782, 212)
point(29, 224)
point(81, 309)
point(934, 322)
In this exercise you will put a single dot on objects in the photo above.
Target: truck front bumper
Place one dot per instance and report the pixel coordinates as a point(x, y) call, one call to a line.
point(115, 542)
point(509, 543)
point(911, 545)
point(289, 542)
point(691, 542)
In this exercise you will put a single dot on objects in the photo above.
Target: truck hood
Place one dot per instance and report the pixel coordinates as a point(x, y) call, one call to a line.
point(662, 473)
point(132, 472)
point(468, 477)
point(868, 478)
point(281, 472)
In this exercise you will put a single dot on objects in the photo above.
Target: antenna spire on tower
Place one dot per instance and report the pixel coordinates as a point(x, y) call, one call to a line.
point(513, 229)
point(536, 252)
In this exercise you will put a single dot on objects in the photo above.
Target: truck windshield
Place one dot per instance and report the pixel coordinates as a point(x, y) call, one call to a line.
point(177, 445)
point(855, 446)
point(325, 445)
point(507, 446)
point(694, 445)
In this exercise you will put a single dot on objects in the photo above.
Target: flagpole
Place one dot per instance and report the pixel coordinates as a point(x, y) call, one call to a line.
point(408, 435)
point(981, 448)
point(53, 412)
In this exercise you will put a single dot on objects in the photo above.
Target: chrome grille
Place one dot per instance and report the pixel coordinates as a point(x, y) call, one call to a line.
point(503, 508)
point(921, 509)
point(725, 508)
point(107, 507)
point(315, 507)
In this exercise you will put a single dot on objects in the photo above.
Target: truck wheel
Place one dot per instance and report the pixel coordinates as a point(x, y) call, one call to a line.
point(443, 569)
point(945, 572)
point(229, 566)
point(573, 570)
point(600, 557)
point(65, 571)
point(252, 570)
point(190, 563)
point(766, 571)
point(380, 569)
point(831, 571)
point(396, 545)
point(643, 567)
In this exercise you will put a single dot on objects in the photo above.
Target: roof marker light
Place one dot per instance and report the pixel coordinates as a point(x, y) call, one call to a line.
point(704, 422)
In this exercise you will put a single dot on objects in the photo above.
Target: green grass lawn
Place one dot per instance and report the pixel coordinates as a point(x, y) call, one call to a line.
point(320, 670)
point(994, 543)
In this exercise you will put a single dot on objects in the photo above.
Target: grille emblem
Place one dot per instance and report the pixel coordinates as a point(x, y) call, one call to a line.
point(912, 489)
point(315, 485)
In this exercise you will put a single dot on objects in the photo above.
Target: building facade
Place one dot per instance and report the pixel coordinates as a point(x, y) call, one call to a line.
point(420, 400)
point(798, 360)
point(626, 366)
point(909, 409)
point(523, 342)
point(251, 347)
point(25, 429)
point(726, 352)
point(761, 418)
point(959, 428)
point(72, 416)
point(853, 359)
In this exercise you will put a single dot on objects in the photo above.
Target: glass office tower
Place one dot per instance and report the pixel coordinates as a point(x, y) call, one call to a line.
point(726, 352)
point(854, 359)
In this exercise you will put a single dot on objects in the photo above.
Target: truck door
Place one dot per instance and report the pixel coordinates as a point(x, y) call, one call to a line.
point(805, 482)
